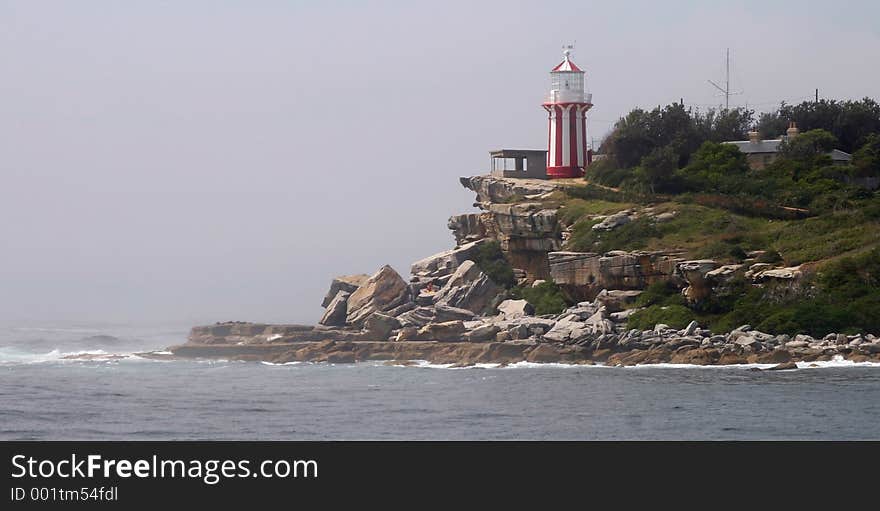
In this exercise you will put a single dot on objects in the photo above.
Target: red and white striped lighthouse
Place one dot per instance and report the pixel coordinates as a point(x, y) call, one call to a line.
point(567, 105)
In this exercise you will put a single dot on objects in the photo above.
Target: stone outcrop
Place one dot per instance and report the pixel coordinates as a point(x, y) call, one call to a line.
point(584, 274)
point(468, 288)
point(613, 221)
point(500, 189)
point(445, 263)
point(382, 292)
point(347, 283)
point(526, 231)
point(694, 272)
point(337, 310)
point(512, 309)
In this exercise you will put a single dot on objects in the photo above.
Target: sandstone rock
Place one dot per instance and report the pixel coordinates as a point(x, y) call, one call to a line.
point(747, 340)
point(446, 331)
point(336, 310)
point(407, 333)
point(584, 274)
point(475, 295)
point(615, 300)
point(499, 189)
point(694, 272)
point(784, 366)
point(382, 292)
point(379, 326)
point(797, 344)
point(723, 274)
point(397, 311)
point(347, 283)
point(756, 268)
point(665, 217)
point(543, 354)
point(691, 328)
point(443, 313)
point(447, 262)
point(778, 274)
point(418, 317)
point(512, 309)
point(469, 227)
point(483, 333)
point(612, 221)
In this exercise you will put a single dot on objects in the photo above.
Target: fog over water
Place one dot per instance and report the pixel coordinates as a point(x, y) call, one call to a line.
point(203, 160)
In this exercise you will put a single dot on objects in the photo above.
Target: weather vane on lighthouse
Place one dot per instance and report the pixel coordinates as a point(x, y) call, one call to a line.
point(567, 105)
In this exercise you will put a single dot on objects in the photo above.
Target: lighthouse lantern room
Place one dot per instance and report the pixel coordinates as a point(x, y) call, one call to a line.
point(567, 105)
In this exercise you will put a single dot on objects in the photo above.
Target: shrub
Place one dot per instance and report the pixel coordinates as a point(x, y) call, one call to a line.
point(491, 260)
point(661, 292)
point(676, 316)
point(546, 297)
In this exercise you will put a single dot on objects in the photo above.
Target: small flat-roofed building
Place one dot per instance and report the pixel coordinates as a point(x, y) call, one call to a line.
point(522, 163)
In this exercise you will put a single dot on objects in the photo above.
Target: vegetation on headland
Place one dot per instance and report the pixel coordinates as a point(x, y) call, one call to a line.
point(801, 208)
point(843, 296)
point(546, 297)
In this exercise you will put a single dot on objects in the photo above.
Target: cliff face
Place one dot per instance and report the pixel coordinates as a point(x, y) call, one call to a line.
point(526, 231)
point(585, 274)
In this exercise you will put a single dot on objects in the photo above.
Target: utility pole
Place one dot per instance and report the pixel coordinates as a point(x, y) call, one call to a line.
point(817, 95)
point(726, 92)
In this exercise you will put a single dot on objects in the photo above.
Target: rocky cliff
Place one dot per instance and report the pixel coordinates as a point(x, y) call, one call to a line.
point(450, 309)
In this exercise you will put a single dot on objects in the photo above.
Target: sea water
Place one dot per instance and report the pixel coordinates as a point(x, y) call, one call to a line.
point(45, 396)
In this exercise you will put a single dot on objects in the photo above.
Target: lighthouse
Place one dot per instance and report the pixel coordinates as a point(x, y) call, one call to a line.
point(567, 105)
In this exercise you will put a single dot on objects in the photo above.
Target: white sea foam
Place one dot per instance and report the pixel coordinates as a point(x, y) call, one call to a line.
point(697, 366)
point(836, 361)
point(295, 362)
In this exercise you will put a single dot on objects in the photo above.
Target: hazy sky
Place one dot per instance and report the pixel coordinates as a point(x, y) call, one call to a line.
point(222, 160)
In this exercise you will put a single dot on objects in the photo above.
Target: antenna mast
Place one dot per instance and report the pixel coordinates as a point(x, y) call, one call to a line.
point(726, 92)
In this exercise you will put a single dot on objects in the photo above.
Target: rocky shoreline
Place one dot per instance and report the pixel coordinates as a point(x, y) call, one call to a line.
point(452, 311)
point(570, 339)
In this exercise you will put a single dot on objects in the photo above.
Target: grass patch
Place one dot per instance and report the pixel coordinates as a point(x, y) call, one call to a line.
point(574, 209)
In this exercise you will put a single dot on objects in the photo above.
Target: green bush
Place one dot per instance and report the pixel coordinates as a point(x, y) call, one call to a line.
point(661, 292)
point(676, 316)
point(491, 260)
point(546, 297)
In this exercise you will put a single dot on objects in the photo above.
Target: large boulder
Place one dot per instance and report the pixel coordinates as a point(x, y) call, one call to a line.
point(446, 262)
point(612, 221)
point(616, 299)
point(421, 316)
point(482, 333)
point(382, 292)
point(475, 295)
point(451, 331)
point(512, 309)
point(448, 313)
point(378, 326)
point(347, 283)
point(336, 310)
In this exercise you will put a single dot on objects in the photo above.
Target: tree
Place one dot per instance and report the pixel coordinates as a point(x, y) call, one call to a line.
point(866, 161)
point(807, 146)
point(771, 124)
point(715, 167)
point(657, 169)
